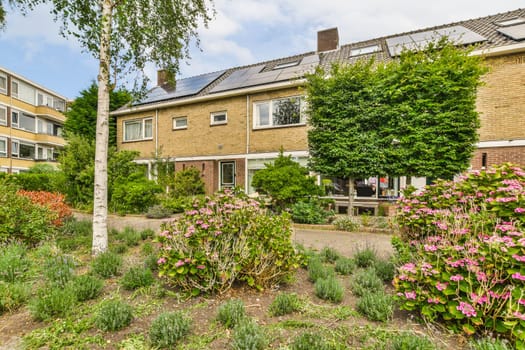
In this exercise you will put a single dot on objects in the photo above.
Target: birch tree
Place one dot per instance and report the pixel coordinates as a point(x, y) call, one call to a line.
point(124, 36)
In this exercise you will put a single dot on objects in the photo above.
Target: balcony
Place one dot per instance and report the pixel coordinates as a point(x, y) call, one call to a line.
point(50, 113)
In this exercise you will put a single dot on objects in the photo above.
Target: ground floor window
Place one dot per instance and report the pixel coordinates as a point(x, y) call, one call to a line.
point(227, 174)
point(371, 187)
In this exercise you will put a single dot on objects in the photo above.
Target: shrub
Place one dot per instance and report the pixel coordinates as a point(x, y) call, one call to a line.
point(344, 266)
point(178, 204)
point(316, 270)
point(376, 306)
point(74, 234)
point(13, 295)
point(329, 289)
point(365, 282)
point(118, 248)
point(130, 236)
point(151, 262)
point(147, 249)
point(106, 264)
point(225, 239)
point(329, 254)
point(158, 211)
point(147, 234)
point(48, 181)
point(59, 270)
point(346, 223)
point(249, 336)
point(113, 315)
point(310, 212)
point(87, 287)
point(231, 313)
point(310, 341)
point(167, 329)
point(137, 277)
point(466, 266)
point(134, 196)
point(365, 257)
point(52, 302)
point(490, 344)
point(188, 182)
point(14, 262)
point(55, 202)
point(410, 341)
point(385, 270)
point(284, 304)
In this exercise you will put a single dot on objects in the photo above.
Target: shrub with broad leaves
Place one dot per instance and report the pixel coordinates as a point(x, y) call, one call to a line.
point(225, 239)
point(55, 202)
point(465, 246)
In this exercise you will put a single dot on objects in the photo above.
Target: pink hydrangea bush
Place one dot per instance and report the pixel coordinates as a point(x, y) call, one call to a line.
point(225, 239)
point(467, 261)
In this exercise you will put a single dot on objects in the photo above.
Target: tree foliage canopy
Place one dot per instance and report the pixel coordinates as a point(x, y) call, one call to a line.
point(412, 116)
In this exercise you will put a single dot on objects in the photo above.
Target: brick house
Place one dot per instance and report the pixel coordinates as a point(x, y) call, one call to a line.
point(229, 123)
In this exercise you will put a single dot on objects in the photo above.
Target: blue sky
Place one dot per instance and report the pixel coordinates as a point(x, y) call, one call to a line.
point(242, 32)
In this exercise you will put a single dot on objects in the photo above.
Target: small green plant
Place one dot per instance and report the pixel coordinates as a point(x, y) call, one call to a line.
point(329, 288)
point(113, 315)
point(13, 295)
point(74, 234)
point(316, 270)
point(365, 256)
point(284, 304)
point(365, 281)
point(385, 270)
point(158, 211)
point(106, 264)
point(249, 336)
point(366, 220)
point(87, 287)
point(14, 262)
point(411, 341)
point(119, 248)
point(344, 266)
point(151, 262)
point(131, 237)
point(231, 313)
point(167, 329)
point(137, 277)
point(346, 223)
point(147, 234)
point(376, 306)
point(59, 270)
point(311, 212)
point(490, 344)
point(147, 249)
point(329, 254)
point(52, 302)
point(309, 341)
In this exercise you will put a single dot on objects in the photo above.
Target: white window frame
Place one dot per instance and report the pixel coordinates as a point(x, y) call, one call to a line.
point(270, 103)
point(181, 127)
point(13, 154)
point(3, 115)
point(13, 83)
point(3, 154)
point(142, 135)
point(3, 89)
point(13, 124)
point(216, 114)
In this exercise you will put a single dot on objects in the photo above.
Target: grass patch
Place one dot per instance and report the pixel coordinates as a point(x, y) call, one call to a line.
point(14, 263)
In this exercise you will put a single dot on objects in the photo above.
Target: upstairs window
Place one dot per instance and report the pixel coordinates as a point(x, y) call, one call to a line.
point(3, 84)
point(14, 118)
point(218, 118)
point(3, 147)
point(3, 115)
point(141, 129)
point(14, 88)
point(180, 123)
point(280, 112)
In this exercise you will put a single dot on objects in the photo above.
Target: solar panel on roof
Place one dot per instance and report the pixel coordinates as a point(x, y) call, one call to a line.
point(510, 22)
point(514, 32)
point(184, 87)
point(416, 41)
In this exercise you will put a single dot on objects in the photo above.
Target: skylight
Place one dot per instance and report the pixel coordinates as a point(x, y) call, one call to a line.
point(365, 50)
point(286, 65)
point(511, 22)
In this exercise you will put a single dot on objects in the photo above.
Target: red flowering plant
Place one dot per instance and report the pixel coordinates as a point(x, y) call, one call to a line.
point(55, 202)
point(224, 239)
point(467, 252)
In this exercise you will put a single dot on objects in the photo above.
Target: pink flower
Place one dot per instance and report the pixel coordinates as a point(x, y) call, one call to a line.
point(519, 315)
point(441, 286)
point(456, 278)
point(179, 263)
point(519, 258)
point(518, 276)
point(476, 299)
point(409, 267)
point(161, 261)
point(430, 248)
point(433, 300)
point(205, 226)
point(521, 301)
point(441, 225)
point(200, 267)
point(410, 295)
point(466, 309)
point(519, 210)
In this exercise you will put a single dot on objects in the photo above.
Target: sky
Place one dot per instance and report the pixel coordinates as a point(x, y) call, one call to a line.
point(241, 32)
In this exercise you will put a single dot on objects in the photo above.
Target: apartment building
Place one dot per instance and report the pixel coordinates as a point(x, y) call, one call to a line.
point(229, 123)
point(31, 123)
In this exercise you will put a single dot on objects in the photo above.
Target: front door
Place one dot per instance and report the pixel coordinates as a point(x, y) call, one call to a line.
point(227, 176)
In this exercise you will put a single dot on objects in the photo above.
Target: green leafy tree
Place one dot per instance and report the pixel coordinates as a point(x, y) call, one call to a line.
point(188, 182)
point(285, 181)
point(82, 113)
point(124, 36)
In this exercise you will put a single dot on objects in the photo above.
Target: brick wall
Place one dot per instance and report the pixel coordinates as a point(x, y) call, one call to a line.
point(498, 155)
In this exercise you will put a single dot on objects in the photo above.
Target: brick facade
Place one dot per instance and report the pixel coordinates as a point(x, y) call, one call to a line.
point(498, 155)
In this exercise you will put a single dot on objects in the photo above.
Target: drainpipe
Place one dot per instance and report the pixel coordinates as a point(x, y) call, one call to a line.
point(247, 124)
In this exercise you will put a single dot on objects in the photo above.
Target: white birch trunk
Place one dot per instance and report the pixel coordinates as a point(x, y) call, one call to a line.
point(351, 190)
point(100, 201)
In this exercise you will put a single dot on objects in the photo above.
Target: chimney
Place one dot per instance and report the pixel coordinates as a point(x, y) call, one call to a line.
point(164, 79)
point(327, 39)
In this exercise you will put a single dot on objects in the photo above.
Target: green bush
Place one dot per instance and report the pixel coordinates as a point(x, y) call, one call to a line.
point(49, 182)
point(410, 341)
point(249, 336)
point(187, 182)
point(130, 236)
point(243, 243)
point(158, 211)
point(14, 262)
point(231, 313)
point(365, 257)
point(118, 248)
point(134, 196)
point(87, 287)
point(490, 344)
point(329, 288)
point(137, 277)
point(365, 282)
point(310, 212)
point(178, 204)
point(376, 306)
point(106, 264)
point(168, 328)
point(385, 270)
point(344, 266)
point(316, 270)
point(284, 304)
point(59, 270)
point(310, 341)
point(346, 223)
point(147, 234)
point(51, 302)
point(74, 234)
point(329, 255)
point(151, 262)
point(113, 315)
point(147, 249)
point(13, 295)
